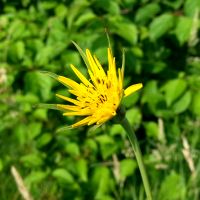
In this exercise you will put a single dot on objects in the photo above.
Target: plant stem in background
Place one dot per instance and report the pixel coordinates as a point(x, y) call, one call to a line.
point(136, 149)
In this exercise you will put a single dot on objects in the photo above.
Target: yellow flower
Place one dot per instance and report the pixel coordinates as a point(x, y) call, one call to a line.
point(98, 98)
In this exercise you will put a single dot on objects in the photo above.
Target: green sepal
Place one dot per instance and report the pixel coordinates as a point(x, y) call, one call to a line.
point(123, 63)
point(83, 55)
point(52, 75)
point(63, 128)
point(49, 106)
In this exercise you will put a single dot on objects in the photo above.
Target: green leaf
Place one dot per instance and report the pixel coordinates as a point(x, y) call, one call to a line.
point(61, 10)
point(20, 132)
point(27, 98)
point(82, 169)
point(151, 129)
point(43, 140)
point(183, 103)
point(86, 17)
point(101, 181)
point(76, 8)
point(173, 183)
point(147, 12)
point(38, 84)
point(119, 24)
point(44, 55)
point(127, 168)
point(35, 177)
point(191, 7)
point(1, 165)
point(72, 149)
point(195, 105)
point(134, 116)
point(161, 25)
point(174, 89)
point(174, 4)
point(63, 175)
point(117, 129)
point(40, 114)
point(34, 129)
point(71, 57)
point(112, 7)
point(20, 49)
point(107, 145)
point(16, 29)
point(32, 160)
point(183, 29)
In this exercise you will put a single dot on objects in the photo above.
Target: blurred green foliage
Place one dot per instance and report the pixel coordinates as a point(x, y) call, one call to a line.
point(162, 45)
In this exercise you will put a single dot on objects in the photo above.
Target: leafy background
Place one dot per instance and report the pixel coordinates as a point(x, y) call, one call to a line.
point(161, 39)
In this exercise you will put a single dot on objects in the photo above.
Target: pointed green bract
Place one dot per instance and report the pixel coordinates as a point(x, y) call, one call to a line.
point(123, 63)
point(49, 106)
point(52, 75)
point(64, 128)
point(82, 54)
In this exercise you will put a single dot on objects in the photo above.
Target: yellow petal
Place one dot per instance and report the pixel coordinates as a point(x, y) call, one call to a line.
point(69, 99)
point(68, 82)
point(69, 107)
point(132, 88)
point(81, 76)
point(82, 122)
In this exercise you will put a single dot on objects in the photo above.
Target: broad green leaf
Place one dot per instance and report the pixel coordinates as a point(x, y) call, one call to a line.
point(161, 25)
point(134, 116)
point(44, 55)
point(20, 132)
point(72, 149)
point(61, 10)
point(173, 183)
point(191, 7)
point(40, 114)
point(117, 129)
point(34, 129)
point(35, 177)
point(151, 129)
point(20, 49)
point(112, 7)
point(27, 98)
point(183, 29)
point(75, 9)
point(1, 165)
point(16, 29)
point(183, 103)
point(195, 107)
point(127, 168)
point(107, 145)
point(32, 160)
point(101, 181)
point(119, 24)
point(91, 146)
point(85, 18)
point(43, 140)
point(46, 5)
point(174, 4)
point(82, 169)
point(174, 89)
point(147, 12)
point(71, 57)
point(63, 175)
point(38, 84)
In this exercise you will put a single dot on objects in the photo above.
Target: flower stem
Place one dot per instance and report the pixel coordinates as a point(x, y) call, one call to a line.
point(137, 151)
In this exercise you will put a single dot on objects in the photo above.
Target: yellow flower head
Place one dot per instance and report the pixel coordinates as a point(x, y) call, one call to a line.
point(98, 98)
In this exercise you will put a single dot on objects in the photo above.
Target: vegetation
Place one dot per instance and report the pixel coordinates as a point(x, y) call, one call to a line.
point(161, 41)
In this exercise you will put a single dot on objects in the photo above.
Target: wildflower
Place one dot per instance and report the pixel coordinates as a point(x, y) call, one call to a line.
point(98, 98)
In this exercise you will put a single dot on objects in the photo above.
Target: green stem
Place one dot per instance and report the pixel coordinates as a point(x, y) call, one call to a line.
point(136, 149)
